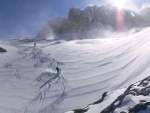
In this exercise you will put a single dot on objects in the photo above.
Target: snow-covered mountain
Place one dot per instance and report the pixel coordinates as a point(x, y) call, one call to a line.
point(117, 68)
point(95, 20)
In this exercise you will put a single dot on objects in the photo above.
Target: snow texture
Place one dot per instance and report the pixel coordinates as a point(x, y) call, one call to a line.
point(90, 68)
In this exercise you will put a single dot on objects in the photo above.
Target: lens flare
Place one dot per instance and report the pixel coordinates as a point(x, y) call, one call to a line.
point(120, 17)
point(120, 20)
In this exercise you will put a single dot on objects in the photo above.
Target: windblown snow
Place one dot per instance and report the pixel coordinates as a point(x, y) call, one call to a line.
point(29, 82)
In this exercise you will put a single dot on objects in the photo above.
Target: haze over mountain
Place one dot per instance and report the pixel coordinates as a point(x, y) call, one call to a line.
point(103, 75)
point(95, 19)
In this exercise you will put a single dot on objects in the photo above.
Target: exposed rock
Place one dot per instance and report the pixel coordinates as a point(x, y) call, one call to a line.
point(145, 14)
point(2, 49)
point(74, 15)
point(139, 107)
point(101, 99)
point(91, 18)
point(80, 110)
point(86, 108)
point(141, 88)
point(110, 108)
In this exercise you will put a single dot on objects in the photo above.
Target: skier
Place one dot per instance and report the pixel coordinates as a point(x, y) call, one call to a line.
point(58, 75)
point(58, 70)
point(34, 44)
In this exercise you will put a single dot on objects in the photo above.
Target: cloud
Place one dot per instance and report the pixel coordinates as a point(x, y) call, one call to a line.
point(145, 5)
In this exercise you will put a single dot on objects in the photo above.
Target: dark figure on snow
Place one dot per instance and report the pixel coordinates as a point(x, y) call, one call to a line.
point(58, 70)
point(34, 44)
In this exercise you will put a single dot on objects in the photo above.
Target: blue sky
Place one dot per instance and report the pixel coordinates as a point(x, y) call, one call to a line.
point(20, 18)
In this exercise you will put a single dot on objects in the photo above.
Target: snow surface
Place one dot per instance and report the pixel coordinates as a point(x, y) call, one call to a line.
point(30, 84)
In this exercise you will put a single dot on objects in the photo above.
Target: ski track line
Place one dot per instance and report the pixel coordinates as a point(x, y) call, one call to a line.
point(34, 104)
point(11, 66)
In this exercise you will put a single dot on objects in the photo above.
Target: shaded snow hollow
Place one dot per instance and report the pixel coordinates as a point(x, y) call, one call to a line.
point(30, 84)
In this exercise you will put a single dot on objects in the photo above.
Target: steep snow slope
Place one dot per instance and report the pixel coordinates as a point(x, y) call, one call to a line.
point(92, 67)
point(29, 83)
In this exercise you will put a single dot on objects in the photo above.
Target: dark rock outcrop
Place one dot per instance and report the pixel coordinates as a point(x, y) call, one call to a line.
point(141, 88)
point(144, 90)
point(139, 107)
point(2, 49)
point(80, 110)
point(83, 110)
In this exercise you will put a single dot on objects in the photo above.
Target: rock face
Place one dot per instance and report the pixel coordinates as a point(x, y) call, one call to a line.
point(99, 17)
point(94, 18)
point(145, 14)
point(136, 90)
point(2, 49)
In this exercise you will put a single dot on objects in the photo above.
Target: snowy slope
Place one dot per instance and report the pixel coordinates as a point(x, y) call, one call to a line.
point(93, 66)
point(30, 84)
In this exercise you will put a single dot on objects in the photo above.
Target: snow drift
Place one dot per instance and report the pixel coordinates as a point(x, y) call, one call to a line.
point(89, 68)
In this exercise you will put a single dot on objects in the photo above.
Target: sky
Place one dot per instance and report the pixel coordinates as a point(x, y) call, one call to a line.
point(24, 18)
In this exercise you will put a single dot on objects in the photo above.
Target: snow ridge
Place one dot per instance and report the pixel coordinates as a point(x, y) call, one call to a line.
point(141, 88)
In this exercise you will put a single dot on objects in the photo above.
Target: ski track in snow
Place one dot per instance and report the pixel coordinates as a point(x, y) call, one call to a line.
point(34, 104)
point(89, 68)
point(42, 61)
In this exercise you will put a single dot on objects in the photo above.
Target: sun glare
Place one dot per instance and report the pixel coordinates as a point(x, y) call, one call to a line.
point(120, 3)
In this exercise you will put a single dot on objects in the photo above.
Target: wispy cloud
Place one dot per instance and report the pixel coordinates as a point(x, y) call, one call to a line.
point(146, 5)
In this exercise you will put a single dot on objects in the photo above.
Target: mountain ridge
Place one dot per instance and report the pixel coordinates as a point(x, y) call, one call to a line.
point(96, 19)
